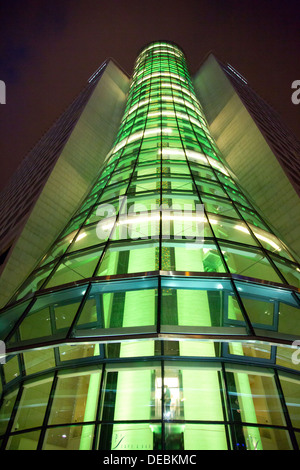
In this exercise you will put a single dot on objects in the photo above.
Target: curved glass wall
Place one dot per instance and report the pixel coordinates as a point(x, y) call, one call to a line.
point(165, 315)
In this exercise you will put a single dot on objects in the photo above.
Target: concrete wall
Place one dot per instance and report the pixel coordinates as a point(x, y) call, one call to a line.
point(248, 154)
point(71, 178)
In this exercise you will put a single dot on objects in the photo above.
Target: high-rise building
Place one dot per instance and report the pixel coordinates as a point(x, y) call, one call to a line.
point(165, 313)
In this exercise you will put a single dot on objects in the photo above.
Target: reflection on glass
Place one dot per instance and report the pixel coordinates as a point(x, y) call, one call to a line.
point(291, 391)
point(131, 394)
point(32, 407)
point(195, 437)
point(253, 396)
point(256, 438)
point(24, 441)
point(69, 438)
point(75, 267)
point(141, 436)
point(249, 263)
point(75, 398)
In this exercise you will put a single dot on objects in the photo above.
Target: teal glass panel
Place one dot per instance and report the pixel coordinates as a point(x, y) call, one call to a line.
point(50, 316)
point(9, 317)
point(123, 307)
point(191, 308)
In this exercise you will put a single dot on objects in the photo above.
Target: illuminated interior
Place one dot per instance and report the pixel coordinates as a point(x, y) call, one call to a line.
point(164, 315)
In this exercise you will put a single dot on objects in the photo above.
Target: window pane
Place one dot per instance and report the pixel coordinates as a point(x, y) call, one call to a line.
point(203, 308)
point(264, 439)
point(191, 256)
point(37, 361)
point(219, 206)
point(289, 318)
point(254, 397)
point(51, 314)
point(131, 394)
point(249, 263)
point(76, 267)
point(11, 368)
point(233, 230)
point(291, 272)
point(118, 259)
point(6, 410)
point(143, 436)
point(118, 309)
point(76, 398)
point(288, 357)
point(69, 438)
point(87, 237)
point(258, 351)
point(195, 437)
point(291, 391)
point(192, 393)
point(32, 407)
point(24, 441)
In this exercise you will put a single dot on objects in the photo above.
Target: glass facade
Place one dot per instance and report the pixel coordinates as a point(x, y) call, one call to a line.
point(164, 316)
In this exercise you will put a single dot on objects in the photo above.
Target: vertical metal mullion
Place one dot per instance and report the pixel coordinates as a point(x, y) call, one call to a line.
point(13, 415)
point(47, 412)
point(162, 405)
point(161, 176)
point(285, 411)
point(223, 401)
point(79, 310)
point(227, 401)
point(97, 424)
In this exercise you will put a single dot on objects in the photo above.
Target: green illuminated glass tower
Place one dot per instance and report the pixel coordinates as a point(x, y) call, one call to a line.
point(165, 315)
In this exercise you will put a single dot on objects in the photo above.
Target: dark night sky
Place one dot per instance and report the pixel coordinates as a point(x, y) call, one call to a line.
point(50, 48)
